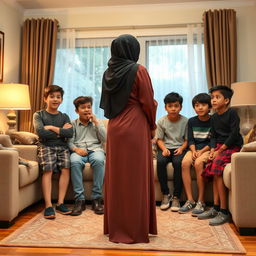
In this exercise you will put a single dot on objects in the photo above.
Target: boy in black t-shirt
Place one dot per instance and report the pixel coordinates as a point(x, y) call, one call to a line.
point(225, 140)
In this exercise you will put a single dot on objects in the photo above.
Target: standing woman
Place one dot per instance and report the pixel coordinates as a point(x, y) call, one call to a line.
point(127, 100)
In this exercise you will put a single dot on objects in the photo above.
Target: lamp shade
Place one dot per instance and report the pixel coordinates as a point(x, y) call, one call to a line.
point(244, 94)
point(14, 96)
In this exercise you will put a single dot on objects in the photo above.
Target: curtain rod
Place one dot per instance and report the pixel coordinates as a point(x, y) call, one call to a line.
point(131, 27)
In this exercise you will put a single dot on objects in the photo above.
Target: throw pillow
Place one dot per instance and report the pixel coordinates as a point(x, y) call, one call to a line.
point(251, 136)
point(249, 147)
point(26, 138)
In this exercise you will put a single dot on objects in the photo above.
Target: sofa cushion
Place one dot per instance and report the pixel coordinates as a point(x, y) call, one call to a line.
point(87, 173)
point(28, 174)
point(249, 147)
point(227, 176)
point(25, 138)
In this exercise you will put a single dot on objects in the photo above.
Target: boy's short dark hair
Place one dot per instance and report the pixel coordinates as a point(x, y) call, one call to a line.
point(53, 88)
point(173, 97)
point(202, 98)
point(224, 90)
point(82, 100)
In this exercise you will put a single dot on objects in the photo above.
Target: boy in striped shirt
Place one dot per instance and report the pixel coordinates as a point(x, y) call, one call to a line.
point(199, 144)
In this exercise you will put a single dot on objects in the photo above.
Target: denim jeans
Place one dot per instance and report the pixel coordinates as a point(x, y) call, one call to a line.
point(162, 162)
point(97, 162)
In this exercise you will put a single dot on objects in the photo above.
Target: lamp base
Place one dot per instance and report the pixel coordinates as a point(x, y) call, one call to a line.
point(11, 115)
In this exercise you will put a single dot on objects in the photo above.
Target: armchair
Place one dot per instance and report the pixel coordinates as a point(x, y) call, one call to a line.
point(20, 186)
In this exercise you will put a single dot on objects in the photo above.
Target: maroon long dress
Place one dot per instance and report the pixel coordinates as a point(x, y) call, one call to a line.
point(129, 198)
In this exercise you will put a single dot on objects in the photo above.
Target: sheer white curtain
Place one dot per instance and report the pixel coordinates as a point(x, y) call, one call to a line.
point(80, 64)
point(176, 64)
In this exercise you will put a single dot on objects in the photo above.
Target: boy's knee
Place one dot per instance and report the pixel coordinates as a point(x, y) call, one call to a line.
point(185, 164)
point(198, 164)
point(98, 161)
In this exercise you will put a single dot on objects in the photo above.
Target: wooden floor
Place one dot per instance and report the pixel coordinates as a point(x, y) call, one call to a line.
point(249, 242)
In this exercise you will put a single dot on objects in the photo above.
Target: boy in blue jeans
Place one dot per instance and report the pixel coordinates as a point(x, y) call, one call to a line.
point(87, 146)
point(53, 129)
point(171, 138)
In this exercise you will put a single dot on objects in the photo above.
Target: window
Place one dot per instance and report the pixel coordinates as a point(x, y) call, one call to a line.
point(79, 71)
point(175, 63)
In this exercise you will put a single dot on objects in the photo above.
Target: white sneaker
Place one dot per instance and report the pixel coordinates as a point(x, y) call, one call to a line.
point(175, 204)
point(165, 204)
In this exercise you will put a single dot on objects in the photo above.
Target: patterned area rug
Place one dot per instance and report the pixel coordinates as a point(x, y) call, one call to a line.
point(176, 232)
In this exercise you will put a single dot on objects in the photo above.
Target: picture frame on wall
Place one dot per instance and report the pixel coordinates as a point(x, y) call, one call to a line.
point(1, 56)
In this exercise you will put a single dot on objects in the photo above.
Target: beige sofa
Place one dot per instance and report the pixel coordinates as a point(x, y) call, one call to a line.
point(239, 177)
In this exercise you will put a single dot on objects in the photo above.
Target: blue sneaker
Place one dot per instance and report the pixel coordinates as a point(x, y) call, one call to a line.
point(188, 206)
point(49, 213)
point(220, 219)
point(63, 209)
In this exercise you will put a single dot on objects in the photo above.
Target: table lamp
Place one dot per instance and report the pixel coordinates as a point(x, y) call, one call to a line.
point(244, 97)
point(14, 97)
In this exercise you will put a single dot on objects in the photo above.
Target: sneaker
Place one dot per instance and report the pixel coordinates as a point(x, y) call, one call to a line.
point(220, 219)
point(208, 214)
point(62, 208)
point(200, 208)
point(175, 204)
point(49, 213)
point(165, 204)
point(188, 206)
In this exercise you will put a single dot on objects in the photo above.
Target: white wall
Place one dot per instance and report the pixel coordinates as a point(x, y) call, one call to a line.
point(11, 19)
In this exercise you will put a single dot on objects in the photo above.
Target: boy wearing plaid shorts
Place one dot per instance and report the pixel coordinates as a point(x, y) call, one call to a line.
point(53, 129)
point(225, 140)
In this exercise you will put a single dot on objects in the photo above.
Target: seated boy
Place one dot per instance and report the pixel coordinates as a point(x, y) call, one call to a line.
point(172, 143)
point(86, 146)
point(225, 140)
point(53, 129)
point(199, 143)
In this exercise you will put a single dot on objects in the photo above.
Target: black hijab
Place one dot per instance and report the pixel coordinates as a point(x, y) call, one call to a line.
point(119, 77)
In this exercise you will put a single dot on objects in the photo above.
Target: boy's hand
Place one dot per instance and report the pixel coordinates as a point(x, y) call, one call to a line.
point(67, 126)
point(199, 153)
point(93, 118)
point(166, 152)
point(194, 155)
point(212, 155)
point(80, 151)
point(178, 151)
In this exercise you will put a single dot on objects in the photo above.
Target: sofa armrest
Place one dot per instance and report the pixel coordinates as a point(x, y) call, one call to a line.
point(28, 152)
point(9, 185)
point(243, 177)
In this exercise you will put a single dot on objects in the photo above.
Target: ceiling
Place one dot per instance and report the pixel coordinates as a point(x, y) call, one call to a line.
point(46, 4)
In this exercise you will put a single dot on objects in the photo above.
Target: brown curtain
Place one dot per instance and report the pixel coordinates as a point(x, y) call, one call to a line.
point(38, 60)
point(220, 47)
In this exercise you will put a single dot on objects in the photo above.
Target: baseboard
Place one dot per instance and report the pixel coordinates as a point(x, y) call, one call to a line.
point(6, 224)
point(247, 231)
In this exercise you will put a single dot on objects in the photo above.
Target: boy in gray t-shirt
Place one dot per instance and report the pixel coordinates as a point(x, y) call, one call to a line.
point(171, 138)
